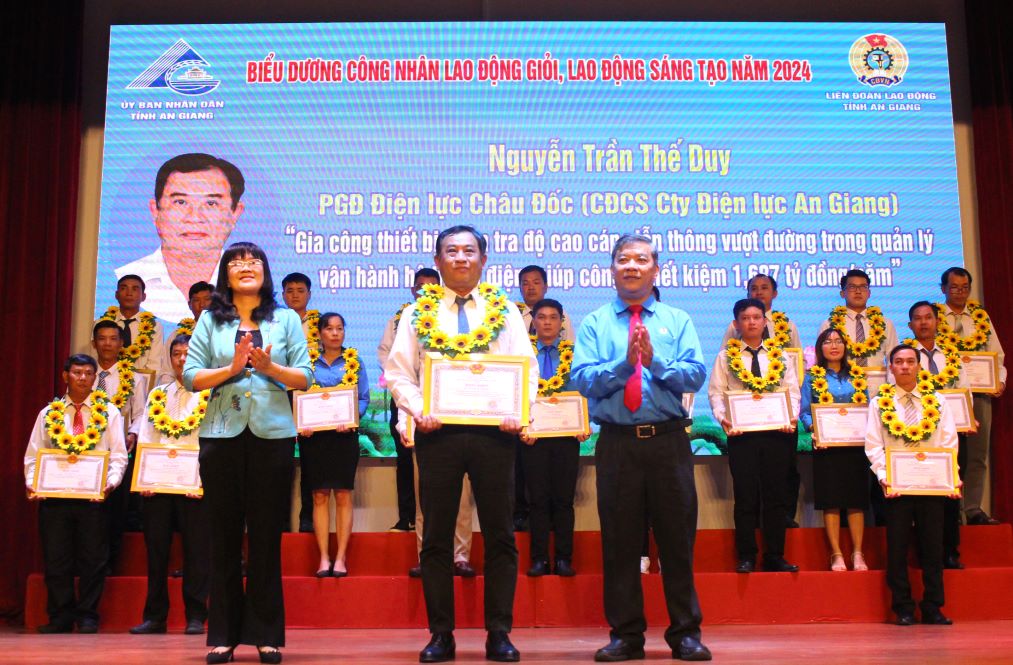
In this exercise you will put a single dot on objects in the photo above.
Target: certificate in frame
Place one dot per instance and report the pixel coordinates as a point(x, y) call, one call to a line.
point(758, 412)
point(982, 370)
point(798, 362)
point(922, 471)
point(167, 469)
point(476, 388)
point(840, 424)
point(960, 404)
point(561, 414)
point(319, 409)
point(62, 475)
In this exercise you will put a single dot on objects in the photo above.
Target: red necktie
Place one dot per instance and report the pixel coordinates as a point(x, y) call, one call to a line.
point(633, 393)
point(78, 426)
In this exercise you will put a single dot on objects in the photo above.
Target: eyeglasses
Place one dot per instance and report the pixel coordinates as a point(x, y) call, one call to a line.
point(856, 287)
point(833, 342)
point(958, 289)
point(240, 264)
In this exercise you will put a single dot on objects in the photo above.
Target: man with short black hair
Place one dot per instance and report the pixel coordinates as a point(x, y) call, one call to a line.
point(75, 532)
point(141, 332)
point(199, 298)
point(868, 334)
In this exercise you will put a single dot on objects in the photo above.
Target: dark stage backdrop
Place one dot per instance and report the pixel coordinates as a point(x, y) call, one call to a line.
point(40, 139)
point(990, 46)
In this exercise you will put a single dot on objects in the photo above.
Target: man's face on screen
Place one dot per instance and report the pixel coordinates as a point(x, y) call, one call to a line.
point(195, 211)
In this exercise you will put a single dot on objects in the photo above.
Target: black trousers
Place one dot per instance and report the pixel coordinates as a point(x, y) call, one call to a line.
point(636, 477)
point(487, 456)
point(123, 509)
point(161, 513)
point(951, 507)
point(405, 473)
point(927, 514)
point(760, 462)
point(550, 467)
point(75, 537)
point(522, 507)
point(246, 480)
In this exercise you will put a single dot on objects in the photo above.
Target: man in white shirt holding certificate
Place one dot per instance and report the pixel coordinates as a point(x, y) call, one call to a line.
point(907, 417)
point(75, 532)
point(462, 317)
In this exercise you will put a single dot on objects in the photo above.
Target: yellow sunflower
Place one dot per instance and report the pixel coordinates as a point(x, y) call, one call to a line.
point(481, 335)
point(92, 436)
point(896, 428)
point(860, 384)
point(859, 398)
point(826, 398)
point(426, 304)
point(439, 340)
point(191, 421)
point(57, 405)
point(493, 319)
point(162, 421)
point(737, 365)
point(352, 365)
point(460, 342)
point(555, 383)
point(566, 356)
point(915, 432)
point(542, 385)
point(155, 410)
point(133, 352)
point(350, 354)
point(425, 323)
point(98, 419)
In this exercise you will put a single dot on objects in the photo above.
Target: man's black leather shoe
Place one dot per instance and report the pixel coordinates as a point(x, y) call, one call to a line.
point(905, 619)
point(441, 648)
point(982, 519)
point(745, 566)
point(463, 569)
point(54, 628)
point(87, 627)
point(538, 568)
point(499, 648)
point(194, 627)
point(148, 627)
point(936, 618)
point(618, 650)
point(779, 565)
point(690, 648)
point(415, 571)
point(564, 569)
point(952, 562)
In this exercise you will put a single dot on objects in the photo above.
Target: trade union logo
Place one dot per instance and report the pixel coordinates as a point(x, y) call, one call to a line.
point(180, 69)
point(878, 60)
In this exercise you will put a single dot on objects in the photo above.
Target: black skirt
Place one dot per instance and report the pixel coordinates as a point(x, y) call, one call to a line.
point(841, 478)
point(329, 460)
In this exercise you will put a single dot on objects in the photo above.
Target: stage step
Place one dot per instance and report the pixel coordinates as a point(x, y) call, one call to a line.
point(378, 593)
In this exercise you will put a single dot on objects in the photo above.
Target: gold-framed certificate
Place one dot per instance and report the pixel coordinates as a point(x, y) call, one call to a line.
point(982, 370)
point(756, 412)
point(166, 469)
point(922, 471)
point(319, 409)
point(797, 358)
point(70, 475)
point(476, 388)
point(561, 414)
point(960, 404)
point(875, 376)
point(840, 424)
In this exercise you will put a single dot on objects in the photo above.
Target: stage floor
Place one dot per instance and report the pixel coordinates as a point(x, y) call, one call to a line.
point(975, 643)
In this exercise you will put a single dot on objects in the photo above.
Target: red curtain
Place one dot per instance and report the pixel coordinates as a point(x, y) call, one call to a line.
point(40, 138)
point(990, 45)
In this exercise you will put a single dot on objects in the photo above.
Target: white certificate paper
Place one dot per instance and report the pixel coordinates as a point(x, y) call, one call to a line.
point(755, 412)
point(320, 409)
point(921, 471)
point(562, 414)
point(476, 389)
point(796, 356)
point(840, 424)
point(982, 371)
point(71, 476)
point(960, 405)
point(166, 469)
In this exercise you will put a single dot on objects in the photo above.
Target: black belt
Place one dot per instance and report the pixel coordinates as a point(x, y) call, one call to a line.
point(647, 430)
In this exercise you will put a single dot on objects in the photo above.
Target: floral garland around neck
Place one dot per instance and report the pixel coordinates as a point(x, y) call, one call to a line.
point(821, 389)
point(874, 335)
point(397, 317)
point(555, 383)
point(782, 330)
point(769, 382)
point(521, 306)
point(313, 337)
point(427, 328)
point(184, 327)
point(98, 420)
point(976, 340)
point(145, 333)
point(895, 425)
point(125, 368)
point(159, 416)
point(949, 374)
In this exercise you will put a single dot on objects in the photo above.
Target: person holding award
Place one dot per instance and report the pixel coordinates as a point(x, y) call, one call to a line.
point(464, 317)
point(910, 419)
point(247, 352)
point(634, 359)
point(330, 457)
point(551, 463)
point(840, 473)
point(754, 394)
point(75, 531)
point(173, 417)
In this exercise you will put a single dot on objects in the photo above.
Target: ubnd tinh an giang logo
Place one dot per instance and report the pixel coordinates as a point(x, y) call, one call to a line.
point(181, 69)
point(878, 60)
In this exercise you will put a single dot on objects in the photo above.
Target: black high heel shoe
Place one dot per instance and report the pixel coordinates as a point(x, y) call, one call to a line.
point(269, 654)
point(220, 656)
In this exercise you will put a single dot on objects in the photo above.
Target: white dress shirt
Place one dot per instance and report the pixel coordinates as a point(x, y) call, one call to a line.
point(993, 345)
point(722, 381)
point(112, 440)
point(878, 439)
point(156, 357)
point(794, 341)
point(179, 403)
point(879, 358)
point(133, 411)
point(404, 368)
point(164, 299)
